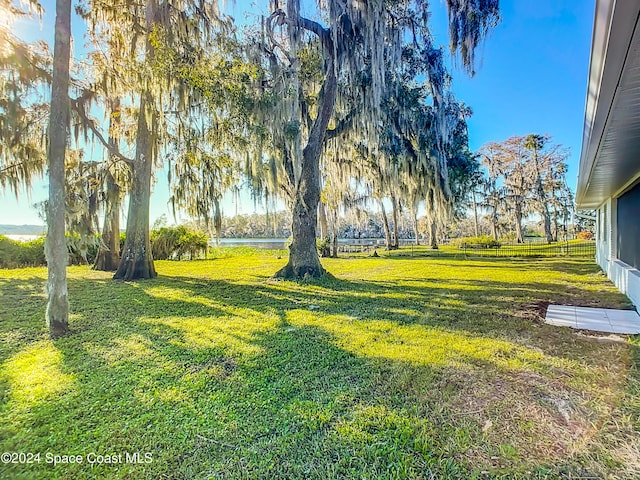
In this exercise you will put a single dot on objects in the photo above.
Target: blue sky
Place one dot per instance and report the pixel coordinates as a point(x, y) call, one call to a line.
point(531, 77)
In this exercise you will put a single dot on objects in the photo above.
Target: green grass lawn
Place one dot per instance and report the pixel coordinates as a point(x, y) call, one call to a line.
point(572, 248)
point(393, 368)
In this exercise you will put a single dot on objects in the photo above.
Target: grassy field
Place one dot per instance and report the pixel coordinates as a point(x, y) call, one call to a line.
point(572, 248)
point(392, 368)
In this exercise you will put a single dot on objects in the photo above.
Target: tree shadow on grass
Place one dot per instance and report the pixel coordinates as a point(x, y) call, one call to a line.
point(21, 300)
point(300, 408)
point(290, 411)
point(482, 308)
point(474, 307)
point(573, 265)
point(278, 379)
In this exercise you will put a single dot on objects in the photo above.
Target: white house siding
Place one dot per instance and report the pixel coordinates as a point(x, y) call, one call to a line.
point(625, 277)
point(605, 239)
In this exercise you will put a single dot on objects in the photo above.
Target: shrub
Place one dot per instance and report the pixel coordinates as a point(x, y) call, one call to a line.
point(9, 252)
point(176, 242)
point(483, 241)
point(166, 242)
point(32, 253)
point(324, 246)
point(14, 254)
point(585, 235)
point(192, 243)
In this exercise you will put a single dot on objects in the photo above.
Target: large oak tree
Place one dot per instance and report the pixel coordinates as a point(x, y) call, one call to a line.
point(358, 43)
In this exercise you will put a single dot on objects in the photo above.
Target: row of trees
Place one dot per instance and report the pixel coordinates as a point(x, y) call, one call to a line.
point(525, 175)
point(317, 114)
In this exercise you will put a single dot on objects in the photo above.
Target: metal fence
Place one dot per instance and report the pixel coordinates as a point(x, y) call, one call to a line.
point(571, 248)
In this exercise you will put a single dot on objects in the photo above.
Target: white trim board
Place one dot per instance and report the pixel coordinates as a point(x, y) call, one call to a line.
point(596, 319)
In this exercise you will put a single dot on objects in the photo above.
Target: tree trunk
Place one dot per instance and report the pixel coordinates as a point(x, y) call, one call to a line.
point(554, 202)
point(322, 221)
point(108, 257)
point(544, 213)
point(542, 201)
point(217, 220)
point(303, 253)
point(394, 203)
point(385, 225)
point(137, 261)
point(303, 256)
point(518, 215)
point(494, 223)
point(334, 241)
point(434, 235)
point(475, 213)
point(416, 232)
point(57, 315)
point(555, 215)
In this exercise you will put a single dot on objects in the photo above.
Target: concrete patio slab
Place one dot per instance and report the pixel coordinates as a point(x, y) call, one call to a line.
point(596, 319)
point(561, 315)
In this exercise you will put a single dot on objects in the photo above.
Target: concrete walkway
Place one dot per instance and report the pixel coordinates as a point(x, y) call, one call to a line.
point(596, 319)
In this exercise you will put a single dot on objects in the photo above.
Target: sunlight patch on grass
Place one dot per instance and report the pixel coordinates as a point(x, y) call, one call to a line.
point(409, 312)
point(134, 348)
point(389, 368)
point(167, 293)
point(233, 333)
point(170, 395)
point(371, 423)
point(423, 345)
point(34, 375)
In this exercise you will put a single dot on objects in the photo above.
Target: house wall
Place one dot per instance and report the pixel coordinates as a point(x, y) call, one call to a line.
point(628, 235)
point(624, 276)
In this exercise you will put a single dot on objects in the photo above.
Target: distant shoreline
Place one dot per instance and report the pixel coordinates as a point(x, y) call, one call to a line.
point(23, 238)
point(12, 230)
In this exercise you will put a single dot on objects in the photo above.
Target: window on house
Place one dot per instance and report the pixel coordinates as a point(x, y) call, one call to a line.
point(628, 227)
point(603, 223)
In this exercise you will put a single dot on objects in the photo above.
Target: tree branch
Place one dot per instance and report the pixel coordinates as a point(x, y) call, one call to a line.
point(78, 105)
point(12, 166)
point(324, 34)
point(342, 126)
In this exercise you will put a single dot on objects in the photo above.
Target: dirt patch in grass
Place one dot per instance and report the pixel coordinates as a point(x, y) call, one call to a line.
point(534, 311)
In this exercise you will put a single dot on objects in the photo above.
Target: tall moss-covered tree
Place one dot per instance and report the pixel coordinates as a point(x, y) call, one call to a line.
point(535, 143)
point(526, 175)
point(493, 192)
point(354, 47)
point(512, 163)
point(204, 155)
point(113, 179)
point(561, 196)
point(25, 77)
point(134, 31)
point(57, 314)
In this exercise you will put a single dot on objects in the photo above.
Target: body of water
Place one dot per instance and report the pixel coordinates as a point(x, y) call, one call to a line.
point(23, 238)
point(282, 243)
point(265, 243)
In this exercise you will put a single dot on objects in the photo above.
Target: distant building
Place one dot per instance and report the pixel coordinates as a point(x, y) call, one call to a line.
point(609, 177)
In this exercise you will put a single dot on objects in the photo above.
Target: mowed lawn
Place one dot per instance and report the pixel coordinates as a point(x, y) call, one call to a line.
point(392, 368)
